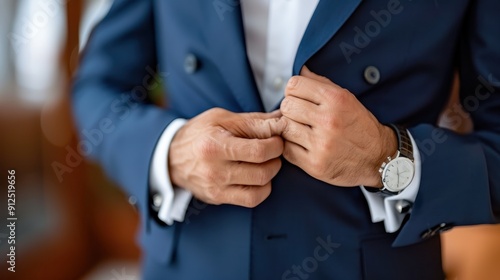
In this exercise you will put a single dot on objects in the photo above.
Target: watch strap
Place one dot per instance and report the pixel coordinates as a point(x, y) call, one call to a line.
point(405, 146)
point(405, 149)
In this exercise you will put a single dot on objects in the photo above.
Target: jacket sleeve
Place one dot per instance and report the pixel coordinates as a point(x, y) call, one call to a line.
point(118, 126)
point(460, 183)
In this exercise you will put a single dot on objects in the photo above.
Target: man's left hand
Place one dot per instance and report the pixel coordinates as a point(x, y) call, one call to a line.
point(331, 135)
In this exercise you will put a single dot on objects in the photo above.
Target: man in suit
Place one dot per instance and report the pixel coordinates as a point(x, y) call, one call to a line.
point(349, 179)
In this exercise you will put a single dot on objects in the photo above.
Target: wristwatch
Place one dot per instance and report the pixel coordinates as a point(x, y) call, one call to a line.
point(397, 172)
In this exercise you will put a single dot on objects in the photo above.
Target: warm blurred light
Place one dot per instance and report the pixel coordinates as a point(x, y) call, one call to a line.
point(37, 39)
point(56, 130)
point(7, 15)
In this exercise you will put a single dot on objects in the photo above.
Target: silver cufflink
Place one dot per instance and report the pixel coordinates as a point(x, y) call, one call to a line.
point(157, 201)
point(403, 206)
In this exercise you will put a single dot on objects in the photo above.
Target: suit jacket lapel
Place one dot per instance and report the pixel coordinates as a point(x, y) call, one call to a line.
point(329, 16)
point(231, 51)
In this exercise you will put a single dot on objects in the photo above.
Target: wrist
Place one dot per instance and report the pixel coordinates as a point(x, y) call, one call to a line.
point(176, 157)
point(172, 162)
point(388, 147)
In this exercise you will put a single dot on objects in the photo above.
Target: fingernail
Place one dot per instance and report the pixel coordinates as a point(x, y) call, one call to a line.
point(292, 82)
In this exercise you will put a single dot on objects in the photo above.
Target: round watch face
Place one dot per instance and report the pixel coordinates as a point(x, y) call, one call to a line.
point(398, 174)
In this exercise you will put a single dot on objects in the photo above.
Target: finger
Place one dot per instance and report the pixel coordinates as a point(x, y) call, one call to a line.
point(297, 133)
point(306, 89)
point(260, 115)
point(295, 154)
point(276, 114)
point(252, 150)
point(244, 173)
point(246, 196)
point(309, 74)
point(299, 110)
point(310, 86)
point(255, 125)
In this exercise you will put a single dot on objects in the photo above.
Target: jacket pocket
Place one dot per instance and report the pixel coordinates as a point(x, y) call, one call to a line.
point(381, 261)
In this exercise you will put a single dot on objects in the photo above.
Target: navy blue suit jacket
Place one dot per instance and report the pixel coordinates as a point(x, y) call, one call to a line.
point(306, 229)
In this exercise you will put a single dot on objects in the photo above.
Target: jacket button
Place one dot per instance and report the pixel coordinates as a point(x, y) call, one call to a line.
point(372, 75)
point(190, 63)
point(132, 200)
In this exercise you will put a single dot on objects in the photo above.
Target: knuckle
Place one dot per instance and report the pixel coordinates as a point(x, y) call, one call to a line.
point(263, 176)
point(289, 131)
point(328, 120)
point(259, 153)
point(213, 194)
point(207, 148)
point(212, 114)
point(325, 146)
point(210, 175)
point(252, 201)
point(285, 125)
point(327, 94)
point(325, 91)
point(275, 126)
point(217, 111)
point(224, 178)
point(285, 106)
point(338, 97)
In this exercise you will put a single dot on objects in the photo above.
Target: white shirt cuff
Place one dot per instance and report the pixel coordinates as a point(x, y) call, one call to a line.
point(174, 200)
point(384, 208)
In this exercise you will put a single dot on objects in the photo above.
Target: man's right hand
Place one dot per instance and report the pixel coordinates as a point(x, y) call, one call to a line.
point(227, 158)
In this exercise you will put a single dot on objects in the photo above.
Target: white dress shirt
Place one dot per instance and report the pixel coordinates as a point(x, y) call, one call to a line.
point(273, 31)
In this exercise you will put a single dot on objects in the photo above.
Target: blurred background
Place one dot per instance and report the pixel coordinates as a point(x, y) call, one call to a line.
point(72, 222)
